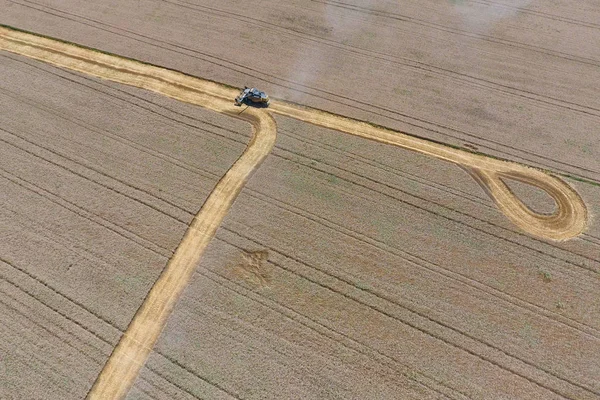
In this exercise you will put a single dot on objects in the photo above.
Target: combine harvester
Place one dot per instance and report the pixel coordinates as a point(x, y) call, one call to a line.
point(252, 96)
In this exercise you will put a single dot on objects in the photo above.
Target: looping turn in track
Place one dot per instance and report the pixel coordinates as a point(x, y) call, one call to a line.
point(120, 371)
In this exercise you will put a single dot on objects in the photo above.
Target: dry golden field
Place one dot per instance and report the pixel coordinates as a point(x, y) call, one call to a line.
point(355, 262)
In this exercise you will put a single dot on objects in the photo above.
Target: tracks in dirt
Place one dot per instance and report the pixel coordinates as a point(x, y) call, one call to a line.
point(568, 220)
point(137, 342)
point(132, 351)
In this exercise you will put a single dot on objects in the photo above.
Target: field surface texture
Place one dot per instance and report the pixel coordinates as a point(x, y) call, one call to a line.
point(346, 268)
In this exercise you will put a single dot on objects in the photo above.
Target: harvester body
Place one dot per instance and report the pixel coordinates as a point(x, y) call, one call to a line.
point(252, 96)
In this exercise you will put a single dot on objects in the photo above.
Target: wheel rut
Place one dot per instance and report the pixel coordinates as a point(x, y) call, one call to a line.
point(128, 357)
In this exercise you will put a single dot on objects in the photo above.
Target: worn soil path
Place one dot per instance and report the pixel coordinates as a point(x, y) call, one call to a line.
point(119, 373)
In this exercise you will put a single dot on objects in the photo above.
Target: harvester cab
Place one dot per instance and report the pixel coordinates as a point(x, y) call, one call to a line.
point(252, 96)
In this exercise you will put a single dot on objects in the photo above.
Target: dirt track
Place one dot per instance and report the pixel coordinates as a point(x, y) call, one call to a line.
point(517, 82)
point(136, 344)
point(568, 221)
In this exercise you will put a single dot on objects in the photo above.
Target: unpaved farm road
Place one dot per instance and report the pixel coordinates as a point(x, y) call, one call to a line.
point(122, 368)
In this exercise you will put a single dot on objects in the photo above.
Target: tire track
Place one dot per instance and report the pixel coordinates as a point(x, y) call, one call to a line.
point(275, 80)
point(98, 336)
point(21, 339)
point(137, 342)
point(87, 356)
point(130, 354)
point(422, 323)
point(384, 167)
point(62, 314)
point(356, 183)
point(443, 28)
point(253, 194)
point(52, 333)
point(450, 218)
point(434, 127)
point(421, 262)
point(437, 214)
point(422, 199)
point(568, 221)
point(92, 168)
point(210, 175)
point(55, 381)
point(132, 103)
point(394, 60)
point(204, 173)
point(409, 260)
point(541, 14)
point(183, 221)
point(297, 317)
point(88, 167)
point(62, 242)
point(83, 213)
point(406, 175)
point(135, 345)
point(148, 394)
